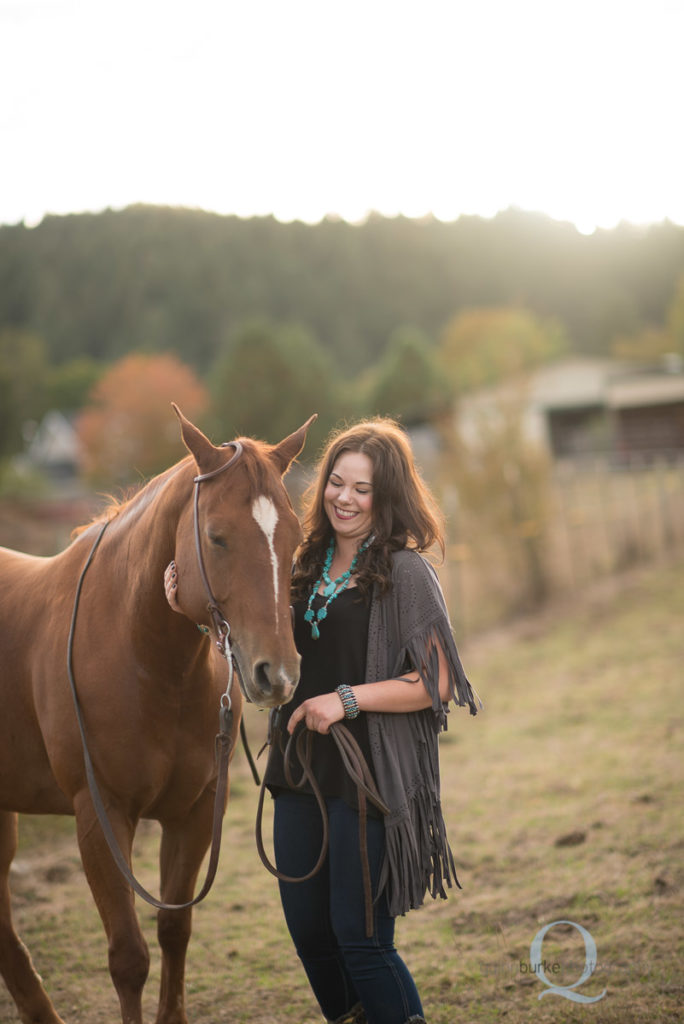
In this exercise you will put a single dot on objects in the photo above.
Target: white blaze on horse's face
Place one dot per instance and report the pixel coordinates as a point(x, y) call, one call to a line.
point(266, 515)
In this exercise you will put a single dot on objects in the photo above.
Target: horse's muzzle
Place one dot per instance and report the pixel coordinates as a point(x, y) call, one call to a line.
point(271, 685)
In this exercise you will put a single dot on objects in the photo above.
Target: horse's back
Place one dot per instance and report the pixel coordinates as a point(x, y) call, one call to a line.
point(24, 586)
point(35, 592)
point(19, 570)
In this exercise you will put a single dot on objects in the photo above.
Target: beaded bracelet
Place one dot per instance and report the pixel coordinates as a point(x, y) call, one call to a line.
point(346, 695)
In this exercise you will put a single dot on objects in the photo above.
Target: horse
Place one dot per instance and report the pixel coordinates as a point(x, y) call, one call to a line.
point(149, 685)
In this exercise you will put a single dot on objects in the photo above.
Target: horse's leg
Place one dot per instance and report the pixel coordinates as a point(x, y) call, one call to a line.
point(184, 844)
point(25, 987)
point(129, 958)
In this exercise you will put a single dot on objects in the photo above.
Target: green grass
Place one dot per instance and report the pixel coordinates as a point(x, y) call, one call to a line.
point(581, 734)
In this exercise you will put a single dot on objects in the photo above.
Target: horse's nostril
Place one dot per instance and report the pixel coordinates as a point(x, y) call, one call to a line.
point(262, 676)
point(273, 683)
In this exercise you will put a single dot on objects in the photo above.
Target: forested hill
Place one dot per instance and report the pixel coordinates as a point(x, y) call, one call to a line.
point(151, 279)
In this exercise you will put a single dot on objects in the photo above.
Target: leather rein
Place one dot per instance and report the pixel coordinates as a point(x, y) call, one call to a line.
point(223, 740)
point(301, 742)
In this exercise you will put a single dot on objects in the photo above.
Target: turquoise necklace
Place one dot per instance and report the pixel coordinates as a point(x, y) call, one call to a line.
point(332, 588)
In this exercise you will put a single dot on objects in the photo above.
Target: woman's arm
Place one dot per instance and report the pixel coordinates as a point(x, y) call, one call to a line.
point(401, 695)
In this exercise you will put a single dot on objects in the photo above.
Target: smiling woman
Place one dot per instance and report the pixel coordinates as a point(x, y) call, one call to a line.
point(377, 652)
point(348, 496)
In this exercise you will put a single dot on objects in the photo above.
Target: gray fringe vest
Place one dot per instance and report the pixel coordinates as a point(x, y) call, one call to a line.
point(405, 624)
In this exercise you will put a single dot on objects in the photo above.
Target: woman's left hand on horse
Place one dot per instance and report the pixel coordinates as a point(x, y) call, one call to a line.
point(171, 586)
point(317, 713)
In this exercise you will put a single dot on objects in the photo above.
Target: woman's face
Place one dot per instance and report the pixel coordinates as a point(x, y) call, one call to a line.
point(348, 496)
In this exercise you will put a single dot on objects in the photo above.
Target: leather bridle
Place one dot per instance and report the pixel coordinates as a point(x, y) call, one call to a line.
point(221, 626)
point(223, 740)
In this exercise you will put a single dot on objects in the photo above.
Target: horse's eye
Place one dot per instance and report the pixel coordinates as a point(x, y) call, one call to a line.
point(217, 540)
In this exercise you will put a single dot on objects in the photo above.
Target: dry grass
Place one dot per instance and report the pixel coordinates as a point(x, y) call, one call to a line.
point(581, 734)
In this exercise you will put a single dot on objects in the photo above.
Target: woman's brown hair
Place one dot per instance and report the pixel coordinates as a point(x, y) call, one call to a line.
point(404, 512)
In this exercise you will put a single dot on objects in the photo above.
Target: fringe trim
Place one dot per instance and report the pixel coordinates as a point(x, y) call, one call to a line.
point(418, 856)
point(421, 653)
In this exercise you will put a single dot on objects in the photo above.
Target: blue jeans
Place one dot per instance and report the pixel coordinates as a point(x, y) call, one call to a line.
point(326, 915)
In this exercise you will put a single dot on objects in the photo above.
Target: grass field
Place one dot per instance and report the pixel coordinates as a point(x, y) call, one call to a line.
point(563, 801)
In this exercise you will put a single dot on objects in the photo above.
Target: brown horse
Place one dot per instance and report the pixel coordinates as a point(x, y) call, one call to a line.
point(149, 686)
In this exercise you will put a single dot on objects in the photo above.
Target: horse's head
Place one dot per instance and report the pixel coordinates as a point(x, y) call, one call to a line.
point(236, 549)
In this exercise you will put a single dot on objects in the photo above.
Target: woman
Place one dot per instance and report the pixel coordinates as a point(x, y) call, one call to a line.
point(377, 652)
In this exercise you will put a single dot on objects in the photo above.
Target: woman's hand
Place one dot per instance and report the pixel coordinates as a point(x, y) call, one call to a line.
point(317, 713)
point(171, 586)
point(401, 695)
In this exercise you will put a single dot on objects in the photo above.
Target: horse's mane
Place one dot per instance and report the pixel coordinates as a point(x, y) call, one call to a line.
point(117, 505)
point(260, 477)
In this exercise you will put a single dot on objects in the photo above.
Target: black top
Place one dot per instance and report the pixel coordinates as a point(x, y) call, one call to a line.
point(338, 656)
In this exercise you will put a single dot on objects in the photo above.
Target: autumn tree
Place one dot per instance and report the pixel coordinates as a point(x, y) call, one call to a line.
point(649, 345)
point(129, 429)
point(501, 475)
point(656, 343)
point(502, 479)
point(480, 347)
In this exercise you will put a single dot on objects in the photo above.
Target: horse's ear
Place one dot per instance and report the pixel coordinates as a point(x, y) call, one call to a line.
point(290, 447)
point(199, 446)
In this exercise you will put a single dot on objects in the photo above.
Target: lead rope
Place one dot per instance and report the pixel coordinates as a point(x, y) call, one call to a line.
point(356, 767)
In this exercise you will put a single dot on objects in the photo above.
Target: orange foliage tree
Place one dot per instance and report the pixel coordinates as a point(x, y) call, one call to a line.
point(481, 347)
point(128, 429)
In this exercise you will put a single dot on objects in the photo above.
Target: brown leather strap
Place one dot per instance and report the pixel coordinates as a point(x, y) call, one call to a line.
point(303, 747)
point(221, 627)
point(357, 768)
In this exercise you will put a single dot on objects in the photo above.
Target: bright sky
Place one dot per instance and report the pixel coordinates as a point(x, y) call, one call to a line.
point(303, 108)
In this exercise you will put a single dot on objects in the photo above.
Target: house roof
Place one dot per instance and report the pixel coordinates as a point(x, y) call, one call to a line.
point(54, 442)
point(571, 383)
point(645, 390)
point(607, 383)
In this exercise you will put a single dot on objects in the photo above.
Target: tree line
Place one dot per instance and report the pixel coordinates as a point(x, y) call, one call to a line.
point(162, 279)
point(277, 320)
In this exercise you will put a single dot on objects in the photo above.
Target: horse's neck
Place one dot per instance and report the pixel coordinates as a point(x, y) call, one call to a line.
point(142, 534)
point(141, 545)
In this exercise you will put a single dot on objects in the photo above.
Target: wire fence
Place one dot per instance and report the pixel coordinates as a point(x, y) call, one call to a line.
point(598, 520)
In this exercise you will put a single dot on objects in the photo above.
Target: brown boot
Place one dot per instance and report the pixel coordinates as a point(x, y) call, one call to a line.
point(354, 1016)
